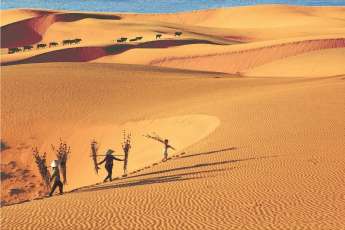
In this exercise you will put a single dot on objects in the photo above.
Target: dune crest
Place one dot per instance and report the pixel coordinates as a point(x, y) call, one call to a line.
point(85, 54)
point(319, 63)
point(238, 61)
point(217, 40)
point(32, 30)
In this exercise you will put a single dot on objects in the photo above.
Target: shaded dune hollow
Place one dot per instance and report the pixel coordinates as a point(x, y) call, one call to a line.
point(237, 61)
point(84, 54)
point(31, 31)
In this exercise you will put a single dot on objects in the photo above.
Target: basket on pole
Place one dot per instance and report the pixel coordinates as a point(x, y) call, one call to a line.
point(62, 153)
point(94, 150)
point(41, 163)
point(126, 146)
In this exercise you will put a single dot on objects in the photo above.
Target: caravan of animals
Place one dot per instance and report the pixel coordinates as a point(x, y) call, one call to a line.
point(75, 42)
point(52, 180)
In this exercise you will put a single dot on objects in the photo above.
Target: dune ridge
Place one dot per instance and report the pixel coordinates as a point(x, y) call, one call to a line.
point(237, 61)
point(16, 15)
point(266, 166)
point(31, 31)
point(84, 54)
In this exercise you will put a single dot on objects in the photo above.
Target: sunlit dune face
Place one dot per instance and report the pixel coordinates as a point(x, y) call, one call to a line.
point(234, 117)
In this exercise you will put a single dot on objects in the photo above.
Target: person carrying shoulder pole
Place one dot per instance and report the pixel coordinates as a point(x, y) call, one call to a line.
point(109, 158)
point(56, 178)
point(165, 142)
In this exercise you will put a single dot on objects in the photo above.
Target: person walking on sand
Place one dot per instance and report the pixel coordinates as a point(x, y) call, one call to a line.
point(109, 158)
point(166, 147)
point(56, 178)
point(165, 142)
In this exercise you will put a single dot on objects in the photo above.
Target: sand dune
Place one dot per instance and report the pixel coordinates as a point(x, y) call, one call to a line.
point(101, 117)
point(30, 31)
point(84, 54)
point(252, 98)
point(320, 63)
point(243, 46)
point(267, 165)
point(15, 15)
point(249, 16)
point(238, 61)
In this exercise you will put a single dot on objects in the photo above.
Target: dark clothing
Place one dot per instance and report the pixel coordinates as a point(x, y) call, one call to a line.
point(109, 169)
point(109, 165)
point(109, 160)
point(56, 183)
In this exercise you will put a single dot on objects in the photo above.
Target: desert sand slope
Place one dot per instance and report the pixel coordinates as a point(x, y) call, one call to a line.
point(327, 62)
point(14, 15)
point(242, 60)
point(271, 156)
point(249, 16)
point(84, 54)
point(88, 112)
point(252, 98)
point(230, 40)
point(32, 30)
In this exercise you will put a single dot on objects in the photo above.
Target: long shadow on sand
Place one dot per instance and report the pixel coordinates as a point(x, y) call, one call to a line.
point(169, 178)
point(207, 153)
point(149, 181)
point(202, 165)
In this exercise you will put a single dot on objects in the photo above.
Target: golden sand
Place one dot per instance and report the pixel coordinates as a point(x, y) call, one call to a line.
point(255, 111)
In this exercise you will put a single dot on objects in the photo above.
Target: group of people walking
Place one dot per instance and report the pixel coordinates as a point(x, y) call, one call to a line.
point(109, 162)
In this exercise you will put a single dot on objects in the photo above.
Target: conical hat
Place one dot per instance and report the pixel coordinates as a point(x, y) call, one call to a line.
point(54, 163)
point(109, 152)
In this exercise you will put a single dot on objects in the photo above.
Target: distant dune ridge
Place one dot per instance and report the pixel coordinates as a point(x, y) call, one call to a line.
point(32, 30)
point(241, 60)
point(252, 98)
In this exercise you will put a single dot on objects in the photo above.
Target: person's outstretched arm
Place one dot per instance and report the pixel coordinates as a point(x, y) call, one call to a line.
point(169, 146)
point(101, 162)
point(117, 159)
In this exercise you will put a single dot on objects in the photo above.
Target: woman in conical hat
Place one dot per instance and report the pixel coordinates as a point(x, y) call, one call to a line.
point(56, 177)
point(109, 158)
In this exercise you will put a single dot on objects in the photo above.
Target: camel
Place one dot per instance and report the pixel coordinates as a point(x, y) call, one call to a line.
point(27, 48)
point(66, 42)
point(76, 41)
point(14, 50)
point(41, 45)
point(122, 39)
point(52, 44)
point(178, 34)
